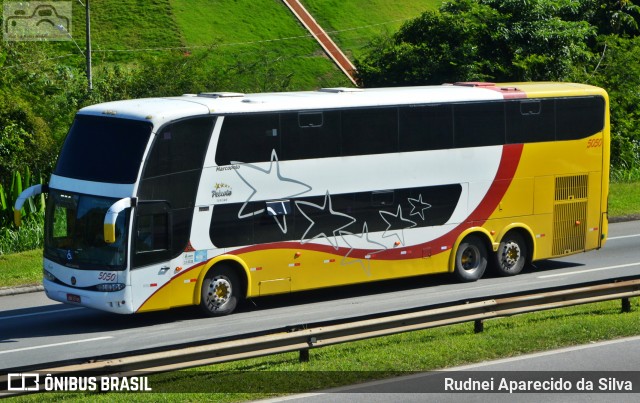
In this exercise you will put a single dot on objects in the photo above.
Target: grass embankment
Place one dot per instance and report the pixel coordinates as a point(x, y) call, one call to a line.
point(238, 34)
point(624, 200)
point(385, 357)
point(352, 24)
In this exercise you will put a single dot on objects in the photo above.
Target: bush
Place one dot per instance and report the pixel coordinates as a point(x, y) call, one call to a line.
point(29, 236)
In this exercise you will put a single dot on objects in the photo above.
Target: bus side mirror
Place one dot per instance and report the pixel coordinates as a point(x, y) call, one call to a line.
point(22, 198)
point(109, 227)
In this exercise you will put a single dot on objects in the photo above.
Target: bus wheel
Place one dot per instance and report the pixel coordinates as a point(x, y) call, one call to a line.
point(220, 292)
point(511, 255)
point(471, 259)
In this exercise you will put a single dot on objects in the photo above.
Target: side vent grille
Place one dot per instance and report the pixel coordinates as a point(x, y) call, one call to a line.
point(570, 214)
point(571, 187)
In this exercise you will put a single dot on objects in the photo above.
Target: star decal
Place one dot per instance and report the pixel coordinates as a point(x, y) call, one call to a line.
point(268, 184)
point(418, 207)
point(396, 223)
point(325, 221)
point(369, 244)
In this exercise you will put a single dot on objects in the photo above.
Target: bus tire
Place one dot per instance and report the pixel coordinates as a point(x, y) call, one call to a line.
point(512, 254)
point(471, 259)
point(221, 291)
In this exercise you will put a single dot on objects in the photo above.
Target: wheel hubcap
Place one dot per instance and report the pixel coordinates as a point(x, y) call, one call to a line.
point(511, 254)
point(469, 259)
point(219, 292)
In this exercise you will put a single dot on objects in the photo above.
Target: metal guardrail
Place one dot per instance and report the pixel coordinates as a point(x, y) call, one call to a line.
point(305, 339)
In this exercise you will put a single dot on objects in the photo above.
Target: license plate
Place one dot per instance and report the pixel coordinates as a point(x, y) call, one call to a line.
point(73, 298)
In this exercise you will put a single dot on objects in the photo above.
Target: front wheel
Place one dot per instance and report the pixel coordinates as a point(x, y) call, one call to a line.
point(471, 259)
point(511, 255)
point(221, 291)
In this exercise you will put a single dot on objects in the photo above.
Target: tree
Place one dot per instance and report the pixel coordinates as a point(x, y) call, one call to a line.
point(25, 140)
point(469, 40)
point(619, 17)
point(619, 73)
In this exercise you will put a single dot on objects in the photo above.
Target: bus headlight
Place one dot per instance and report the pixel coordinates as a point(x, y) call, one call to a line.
point(110, 287)
point(47, 275)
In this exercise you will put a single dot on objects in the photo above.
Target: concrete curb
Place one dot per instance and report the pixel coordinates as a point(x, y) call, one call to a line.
point(20, 290)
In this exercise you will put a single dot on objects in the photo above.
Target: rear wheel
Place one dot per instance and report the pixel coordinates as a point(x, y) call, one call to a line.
point(471, 259)
point(221, 291)
point(511, 256)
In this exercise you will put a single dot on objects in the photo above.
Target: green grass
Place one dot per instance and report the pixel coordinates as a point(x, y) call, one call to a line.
point(127, 25)
point(624, 199)
point(356, 22)
point(250, 30)
point(21, 269)
point(384, 357)
point(130, 32)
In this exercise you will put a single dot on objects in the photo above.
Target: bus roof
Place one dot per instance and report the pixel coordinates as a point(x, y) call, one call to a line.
point(161, 110)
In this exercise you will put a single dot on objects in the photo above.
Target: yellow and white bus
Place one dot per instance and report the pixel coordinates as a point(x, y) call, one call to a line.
point(211, 198)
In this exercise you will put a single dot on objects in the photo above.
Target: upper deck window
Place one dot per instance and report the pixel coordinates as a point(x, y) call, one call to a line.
point(104, 149)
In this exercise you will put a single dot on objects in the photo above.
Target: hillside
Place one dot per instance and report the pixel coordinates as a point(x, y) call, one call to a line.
point(261, 32)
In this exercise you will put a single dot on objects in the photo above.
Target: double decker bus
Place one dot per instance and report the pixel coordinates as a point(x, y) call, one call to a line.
point(211, 198)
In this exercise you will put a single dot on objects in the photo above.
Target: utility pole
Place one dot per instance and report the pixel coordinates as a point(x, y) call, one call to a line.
point(88, 50)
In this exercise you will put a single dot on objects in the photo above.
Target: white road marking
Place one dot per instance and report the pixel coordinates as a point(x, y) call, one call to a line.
point(56, 344)
point(24, 315)
point(620, 266)
point(613, 238)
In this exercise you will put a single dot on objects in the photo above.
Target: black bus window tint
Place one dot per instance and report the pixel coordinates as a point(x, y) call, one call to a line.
point(227, 229)
point(578, 118)
point(426, 128)
point(104, 149)
point(479, 124)
point(248, 138)
point(310, 135)
point(369, 131)
point(530, 121)
point(173, 169)
point(310, 119)
point(152, 234)
point(179, 147)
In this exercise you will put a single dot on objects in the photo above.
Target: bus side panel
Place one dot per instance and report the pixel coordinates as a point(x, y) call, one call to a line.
point(315, 269)
point(593, 211)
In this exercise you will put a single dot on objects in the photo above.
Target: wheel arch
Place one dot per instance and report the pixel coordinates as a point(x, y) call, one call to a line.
point(230, 261)
point(480, 232)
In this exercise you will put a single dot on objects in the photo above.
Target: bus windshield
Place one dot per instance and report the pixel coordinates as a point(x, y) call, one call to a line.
point(74, 232)
point(104, 149)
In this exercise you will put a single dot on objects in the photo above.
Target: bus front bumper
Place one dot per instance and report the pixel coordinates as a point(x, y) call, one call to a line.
point(117, 302)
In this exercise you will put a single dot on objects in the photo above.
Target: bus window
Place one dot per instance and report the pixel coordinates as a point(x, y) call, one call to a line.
point(530, 121)
point(479, 124)
point(310, 135)
point(369, 131)
point(248, 138)
point(578, 118)
point(96, 142)
point(152, 231)
point(425, 128)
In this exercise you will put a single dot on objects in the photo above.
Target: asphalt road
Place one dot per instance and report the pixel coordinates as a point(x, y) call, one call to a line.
point(34, 330)
point(588, 373)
